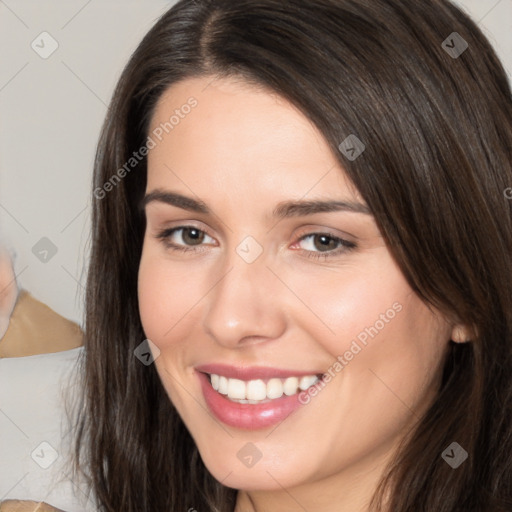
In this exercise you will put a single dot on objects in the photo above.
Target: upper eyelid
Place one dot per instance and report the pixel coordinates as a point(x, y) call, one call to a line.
point(329, 232)
point(334, 233)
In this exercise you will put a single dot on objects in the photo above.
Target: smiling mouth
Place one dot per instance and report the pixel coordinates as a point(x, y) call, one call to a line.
point(260, 391)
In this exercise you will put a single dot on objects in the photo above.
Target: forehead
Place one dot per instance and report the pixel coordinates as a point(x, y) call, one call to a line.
point(240, 138)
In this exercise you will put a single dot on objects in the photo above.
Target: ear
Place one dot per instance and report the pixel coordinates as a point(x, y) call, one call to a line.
point(462, 334)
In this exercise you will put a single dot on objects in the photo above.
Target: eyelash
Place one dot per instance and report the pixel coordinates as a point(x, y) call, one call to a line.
point(345, 245)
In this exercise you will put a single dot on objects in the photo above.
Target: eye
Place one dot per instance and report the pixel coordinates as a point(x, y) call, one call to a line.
point(185, 237)
point(324, 245)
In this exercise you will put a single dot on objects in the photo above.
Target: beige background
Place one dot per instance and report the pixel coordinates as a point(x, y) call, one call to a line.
point(51, 111)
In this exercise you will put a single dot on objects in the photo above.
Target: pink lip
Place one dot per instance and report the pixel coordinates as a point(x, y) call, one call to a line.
point(251, 373)
point(247, 416)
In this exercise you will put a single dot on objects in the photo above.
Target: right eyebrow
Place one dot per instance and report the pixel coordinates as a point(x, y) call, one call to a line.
point(174, 199)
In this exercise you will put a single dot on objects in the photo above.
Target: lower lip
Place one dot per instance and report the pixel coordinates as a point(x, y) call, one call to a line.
point(247, 416)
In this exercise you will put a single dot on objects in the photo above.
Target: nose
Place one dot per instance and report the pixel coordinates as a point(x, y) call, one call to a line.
point(245, 306)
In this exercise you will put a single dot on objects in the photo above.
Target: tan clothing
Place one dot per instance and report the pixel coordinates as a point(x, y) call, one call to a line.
point(26, 506)
point(34, 328)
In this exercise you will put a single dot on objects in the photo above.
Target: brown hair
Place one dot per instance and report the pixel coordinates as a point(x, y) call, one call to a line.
point(438, 134)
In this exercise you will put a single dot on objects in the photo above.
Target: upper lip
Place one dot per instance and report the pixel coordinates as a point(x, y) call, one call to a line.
point(252, 372)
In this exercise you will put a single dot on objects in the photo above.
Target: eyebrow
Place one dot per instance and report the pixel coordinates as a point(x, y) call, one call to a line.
point(173, 199)
point(282, 210)
point(302, 208)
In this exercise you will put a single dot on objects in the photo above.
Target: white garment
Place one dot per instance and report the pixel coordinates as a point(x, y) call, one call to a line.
point(36, 438)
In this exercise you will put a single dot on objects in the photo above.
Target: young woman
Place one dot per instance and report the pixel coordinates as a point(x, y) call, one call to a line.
point(303, 206)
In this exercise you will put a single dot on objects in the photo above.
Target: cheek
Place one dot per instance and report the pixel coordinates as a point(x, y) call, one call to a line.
point(379, 334)
point(352, 304)
point(386, 350)
point(167, 295)
point(392, 357)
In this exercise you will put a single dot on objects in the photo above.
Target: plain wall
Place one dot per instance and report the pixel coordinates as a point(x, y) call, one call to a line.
point(51, 111)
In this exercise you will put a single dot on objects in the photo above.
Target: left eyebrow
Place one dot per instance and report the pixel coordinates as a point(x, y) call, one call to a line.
point(302, 208)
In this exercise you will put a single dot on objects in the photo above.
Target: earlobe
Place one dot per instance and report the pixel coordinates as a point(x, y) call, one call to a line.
point(461, 334)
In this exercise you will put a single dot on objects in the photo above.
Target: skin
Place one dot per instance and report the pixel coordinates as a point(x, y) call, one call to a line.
point(243, 151)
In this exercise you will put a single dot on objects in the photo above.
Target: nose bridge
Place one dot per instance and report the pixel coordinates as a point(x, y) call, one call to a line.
point(241, 305)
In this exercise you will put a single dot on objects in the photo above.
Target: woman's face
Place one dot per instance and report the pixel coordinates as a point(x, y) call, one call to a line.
point(263, 267)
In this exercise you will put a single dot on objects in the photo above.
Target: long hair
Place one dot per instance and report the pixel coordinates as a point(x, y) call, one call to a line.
point(436, 121)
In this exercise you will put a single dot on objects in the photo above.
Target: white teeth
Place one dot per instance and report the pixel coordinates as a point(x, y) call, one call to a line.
point(215, 382)
point(307, 382)
point(255, 391)
point(236, 389)
point(223, 385)
point(274, 388)
point(290, 386)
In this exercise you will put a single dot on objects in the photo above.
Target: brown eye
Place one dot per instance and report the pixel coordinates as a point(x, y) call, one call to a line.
point(325, 242)
point(193, 236)
point(324, 245)
point(185, 237)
